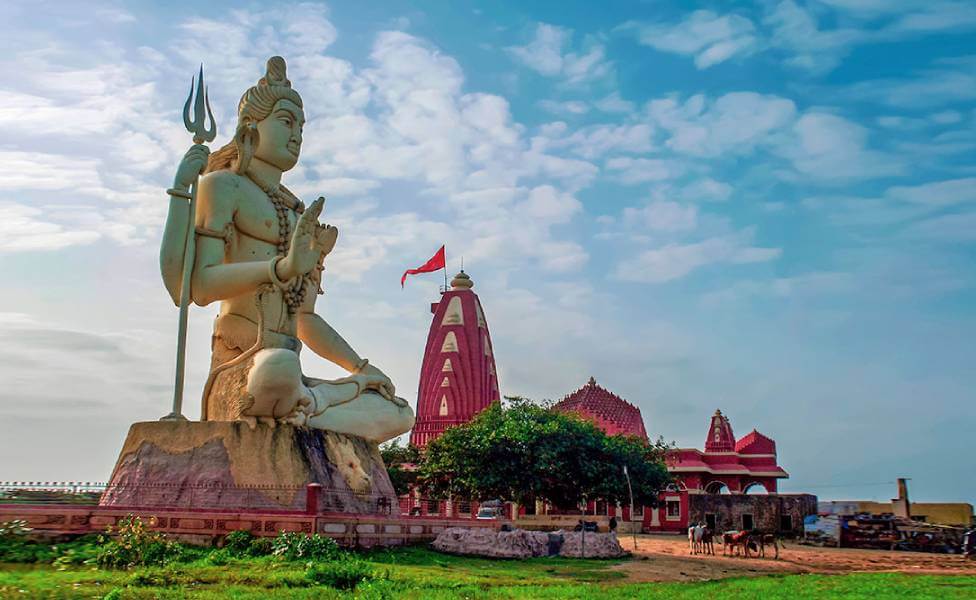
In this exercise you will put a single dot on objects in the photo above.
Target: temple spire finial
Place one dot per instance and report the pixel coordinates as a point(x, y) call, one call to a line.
point(462, 281)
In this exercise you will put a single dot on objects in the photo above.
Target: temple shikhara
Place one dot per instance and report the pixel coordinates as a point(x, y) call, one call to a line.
point(457, 378)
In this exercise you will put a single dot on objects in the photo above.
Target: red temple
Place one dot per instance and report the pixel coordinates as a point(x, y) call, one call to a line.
point(610, 412)
point(727, 464)
point(457, 378)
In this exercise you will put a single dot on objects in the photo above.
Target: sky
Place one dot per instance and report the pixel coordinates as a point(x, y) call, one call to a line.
point(767, 208)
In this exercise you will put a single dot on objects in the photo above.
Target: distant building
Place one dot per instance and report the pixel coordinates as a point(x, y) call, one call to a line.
point(458, 377)
point(727, 464)
point(959, 514)
point(610, 412)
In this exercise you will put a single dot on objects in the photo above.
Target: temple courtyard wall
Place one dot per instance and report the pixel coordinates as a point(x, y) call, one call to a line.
point(206, 527)
point(780, 513)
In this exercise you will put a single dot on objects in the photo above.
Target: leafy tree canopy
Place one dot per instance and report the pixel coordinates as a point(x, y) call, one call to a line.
point(525, 452)
point(401, 464)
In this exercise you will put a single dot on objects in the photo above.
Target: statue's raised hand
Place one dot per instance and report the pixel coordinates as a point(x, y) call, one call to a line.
point(192, 165)
point(305, 249)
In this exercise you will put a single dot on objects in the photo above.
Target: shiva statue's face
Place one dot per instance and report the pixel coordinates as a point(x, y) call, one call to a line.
point(280, 135)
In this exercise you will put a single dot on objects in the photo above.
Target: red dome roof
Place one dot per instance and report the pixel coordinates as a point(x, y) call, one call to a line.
point(610, 412)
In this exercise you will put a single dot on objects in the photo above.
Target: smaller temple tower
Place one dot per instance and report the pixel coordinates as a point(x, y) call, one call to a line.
point(458, 378)
point(720, 437)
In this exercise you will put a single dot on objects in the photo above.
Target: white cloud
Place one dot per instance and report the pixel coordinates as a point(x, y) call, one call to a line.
point(734, 123)
point(706, 189)
point(642, 170)
point(565, 107)
point(937, 194)
point(674, 261)
point(550, 205)
point(830, 147)
point(546, 55)
point(796, 31)
point(663, 216)
point(613, 103)
point(594, 141)
point(948, 81)
point(25, 228)
point(709, 37)
point(957, 228)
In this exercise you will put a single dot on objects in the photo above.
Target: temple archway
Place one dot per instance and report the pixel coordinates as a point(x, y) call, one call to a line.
point(717, 487)
point(756, 489)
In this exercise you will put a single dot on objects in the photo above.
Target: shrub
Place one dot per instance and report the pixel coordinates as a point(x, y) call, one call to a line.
point(75, 555)
point(238, 543)
point(262, 546)
point(343, 574)
point(136, 545)
point(15, 547)
point(298, 546)
point(241, 544)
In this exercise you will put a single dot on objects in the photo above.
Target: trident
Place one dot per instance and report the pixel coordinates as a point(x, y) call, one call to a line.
point(201, 134)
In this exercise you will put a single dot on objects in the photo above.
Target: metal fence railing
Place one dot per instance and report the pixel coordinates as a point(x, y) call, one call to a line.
point(312, 498)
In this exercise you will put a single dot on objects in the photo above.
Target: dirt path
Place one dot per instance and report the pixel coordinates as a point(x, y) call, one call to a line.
point(666, 558)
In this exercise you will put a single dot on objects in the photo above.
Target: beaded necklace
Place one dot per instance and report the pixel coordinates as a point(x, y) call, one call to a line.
point(294, 292)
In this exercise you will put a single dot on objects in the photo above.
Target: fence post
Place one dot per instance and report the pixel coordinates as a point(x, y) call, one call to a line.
point(312, 493)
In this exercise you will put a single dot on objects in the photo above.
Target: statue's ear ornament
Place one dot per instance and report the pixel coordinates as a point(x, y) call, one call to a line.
point(246, 139)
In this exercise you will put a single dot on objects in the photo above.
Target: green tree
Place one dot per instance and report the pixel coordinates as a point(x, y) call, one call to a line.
point(401, 464)
point(525, 453)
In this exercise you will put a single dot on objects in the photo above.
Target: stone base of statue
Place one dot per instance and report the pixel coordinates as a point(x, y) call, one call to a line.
point(227, 465)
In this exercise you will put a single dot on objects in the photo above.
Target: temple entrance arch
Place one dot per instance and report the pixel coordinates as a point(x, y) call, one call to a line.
point(756, 489)
point(717, 487)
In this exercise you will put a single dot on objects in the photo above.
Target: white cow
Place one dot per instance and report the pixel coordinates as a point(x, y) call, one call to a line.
point(695, 534)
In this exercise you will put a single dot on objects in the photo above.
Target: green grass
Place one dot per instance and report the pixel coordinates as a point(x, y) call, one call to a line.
point(418, 573)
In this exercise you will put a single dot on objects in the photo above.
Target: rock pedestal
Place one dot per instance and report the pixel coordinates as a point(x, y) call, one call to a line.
point(227, 465)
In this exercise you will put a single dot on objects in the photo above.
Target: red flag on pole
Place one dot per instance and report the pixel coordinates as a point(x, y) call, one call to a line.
point(435, 263)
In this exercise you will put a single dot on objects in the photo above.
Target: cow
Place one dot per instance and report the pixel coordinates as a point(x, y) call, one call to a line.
point(708, 541)
point(695, 534)
point(766, 539)
point(732, 540)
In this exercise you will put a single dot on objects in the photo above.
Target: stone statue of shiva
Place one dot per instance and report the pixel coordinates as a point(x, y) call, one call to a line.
point(261, 254)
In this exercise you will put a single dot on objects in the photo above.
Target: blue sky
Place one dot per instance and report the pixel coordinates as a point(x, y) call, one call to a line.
point(768, 208)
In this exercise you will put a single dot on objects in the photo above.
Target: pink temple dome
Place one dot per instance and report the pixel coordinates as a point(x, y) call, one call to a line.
point(610, 412)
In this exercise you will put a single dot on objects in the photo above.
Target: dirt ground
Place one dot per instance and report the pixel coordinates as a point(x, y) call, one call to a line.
point(667, 558)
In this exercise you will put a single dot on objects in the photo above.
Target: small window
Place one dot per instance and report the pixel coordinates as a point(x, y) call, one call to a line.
point(464, 507)
point(638, 513)
point(786, 522)
point(674, 509)
point(747, 523)
point(601, 507)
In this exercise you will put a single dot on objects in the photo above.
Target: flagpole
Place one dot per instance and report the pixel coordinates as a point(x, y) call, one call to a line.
point(445, 267)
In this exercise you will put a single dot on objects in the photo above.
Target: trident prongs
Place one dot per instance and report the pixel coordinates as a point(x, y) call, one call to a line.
point(201, 112)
